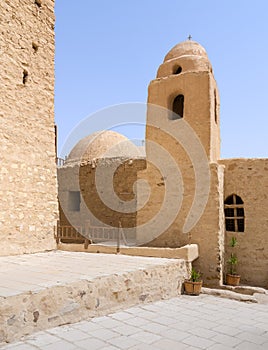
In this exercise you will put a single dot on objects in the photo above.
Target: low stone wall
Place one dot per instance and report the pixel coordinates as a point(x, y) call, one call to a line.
point(188, 252)
point(29, 312)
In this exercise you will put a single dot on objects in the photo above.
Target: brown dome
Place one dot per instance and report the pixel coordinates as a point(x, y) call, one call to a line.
point(186, 48)
point(103, 144)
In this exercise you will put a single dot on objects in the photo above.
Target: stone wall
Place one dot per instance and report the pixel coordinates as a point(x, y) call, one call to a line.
point(248, 178)
point(93, 211)
point(28, 205)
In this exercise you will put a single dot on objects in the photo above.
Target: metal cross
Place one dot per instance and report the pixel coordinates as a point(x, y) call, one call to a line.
point(190, 37)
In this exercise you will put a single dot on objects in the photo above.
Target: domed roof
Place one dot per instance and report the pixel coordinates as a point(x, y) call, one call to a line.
point(102, 144)
point(186, 48)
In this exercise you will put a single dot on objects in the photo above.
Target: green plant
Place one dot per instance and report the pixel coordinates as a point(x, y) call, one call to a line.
point(195, 276)
point(232, 261)
point(233, 242)
point(232, 264)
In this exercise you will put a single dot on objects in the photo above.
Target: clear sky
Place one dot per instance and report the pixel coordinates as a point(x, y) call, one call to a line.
point(107, 52)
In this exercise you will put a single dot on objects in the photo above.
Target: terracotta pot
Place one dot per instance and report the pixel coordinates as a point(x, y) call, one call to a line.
point(192, 288)
point(232, 280)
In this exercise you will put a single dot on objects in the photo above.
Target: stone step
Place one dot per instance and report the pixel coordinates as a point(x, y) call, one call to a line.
point(44, 290)
point(259, 296)
point(249, 290)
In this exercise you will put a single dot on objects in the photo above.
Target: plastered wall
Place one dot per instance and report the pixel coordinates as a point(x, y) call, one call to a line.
point(248, 178)
point(208, 232)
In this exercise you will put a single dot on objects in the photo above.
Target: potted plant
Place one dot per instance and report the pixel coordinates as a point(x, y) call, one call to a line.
point(194, 284)
point(232, 278)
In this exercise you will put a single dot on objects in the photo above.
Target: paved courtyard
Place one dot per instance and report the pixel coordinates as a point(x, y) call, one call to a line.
point(204, 322)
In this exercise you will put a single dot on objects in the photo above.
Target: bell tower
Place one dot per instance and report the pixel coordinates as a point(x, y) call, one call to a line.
point(182, 153)
point(185, 85)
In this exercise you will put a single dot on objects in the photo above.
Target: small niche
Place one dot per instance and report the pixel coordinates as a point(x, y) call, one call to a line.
point(25, 77)
point(38, 3)
point(74, 201)
point(35, 47)
point(177, 70)
point(215, 107)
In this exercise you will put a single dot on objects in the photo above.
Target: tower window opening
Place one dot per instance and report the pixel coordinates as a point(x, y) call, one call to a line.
point(177, 70)
point(177, 107)
point(234, 214)
point(215, 107)
point(25, 77)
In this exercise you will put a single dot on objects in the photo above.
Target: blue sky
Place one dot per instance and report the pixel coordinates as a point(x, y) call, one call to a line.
point(107, 52)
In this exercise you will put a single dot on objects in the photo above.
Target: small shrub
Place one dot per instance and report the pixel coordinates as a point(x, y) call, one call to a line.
point(195, 275)
point(232, 261)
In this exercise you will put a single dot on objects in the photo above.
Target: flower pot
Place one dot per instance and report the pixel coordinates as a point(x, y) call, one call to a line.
point(192, 288)
point(232, 280)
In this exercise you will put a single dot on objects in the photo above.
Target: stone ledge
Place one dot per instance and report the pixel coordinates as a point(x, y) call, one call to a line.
point(188, 252)
point(249, 290)
point(229, 294)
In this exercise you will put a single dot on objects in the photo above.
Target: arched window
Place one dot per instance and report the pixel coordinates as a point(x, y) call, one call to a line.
point(234, 214)
point(177, 70)
point(178, 107)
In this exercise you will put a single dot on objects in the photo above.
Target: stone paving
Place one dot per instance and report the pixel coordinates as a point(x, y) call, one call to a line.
point(185, 322)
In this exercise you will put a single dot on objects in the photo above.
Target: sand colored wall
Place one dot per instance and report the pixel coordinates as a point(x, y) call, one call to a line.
point(92, 209)
point(199, 90)
point(208, 233)
point(215, 138)
point(28, 205)
point(248, 178)
point(195, 88)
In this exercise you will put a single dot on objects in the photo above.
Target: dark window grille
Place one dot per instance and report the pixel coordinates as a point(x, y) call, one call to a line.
point(234, 214)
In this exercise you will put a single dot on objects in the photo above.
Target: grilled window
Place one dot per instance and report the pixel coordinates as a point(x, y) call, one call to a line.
point(234, 214)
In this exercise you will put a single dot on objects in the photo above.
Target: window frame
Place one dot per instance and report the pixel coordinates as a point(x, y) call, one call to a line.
point(235, 218)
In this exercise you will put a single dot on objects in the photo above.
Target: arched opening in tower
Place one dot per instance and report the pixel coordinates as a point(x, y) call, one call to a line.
point(178, 107)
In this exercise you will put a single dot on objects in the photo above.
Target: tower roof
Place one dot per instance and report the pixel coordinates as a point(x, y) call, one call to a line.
point(188, 56)
point(186, 48)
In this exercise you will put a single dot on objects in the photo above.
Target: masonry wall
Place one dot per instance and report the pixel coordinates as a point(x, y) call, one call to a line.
point(28, 192)
point(93, 211)
point(248, 178)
